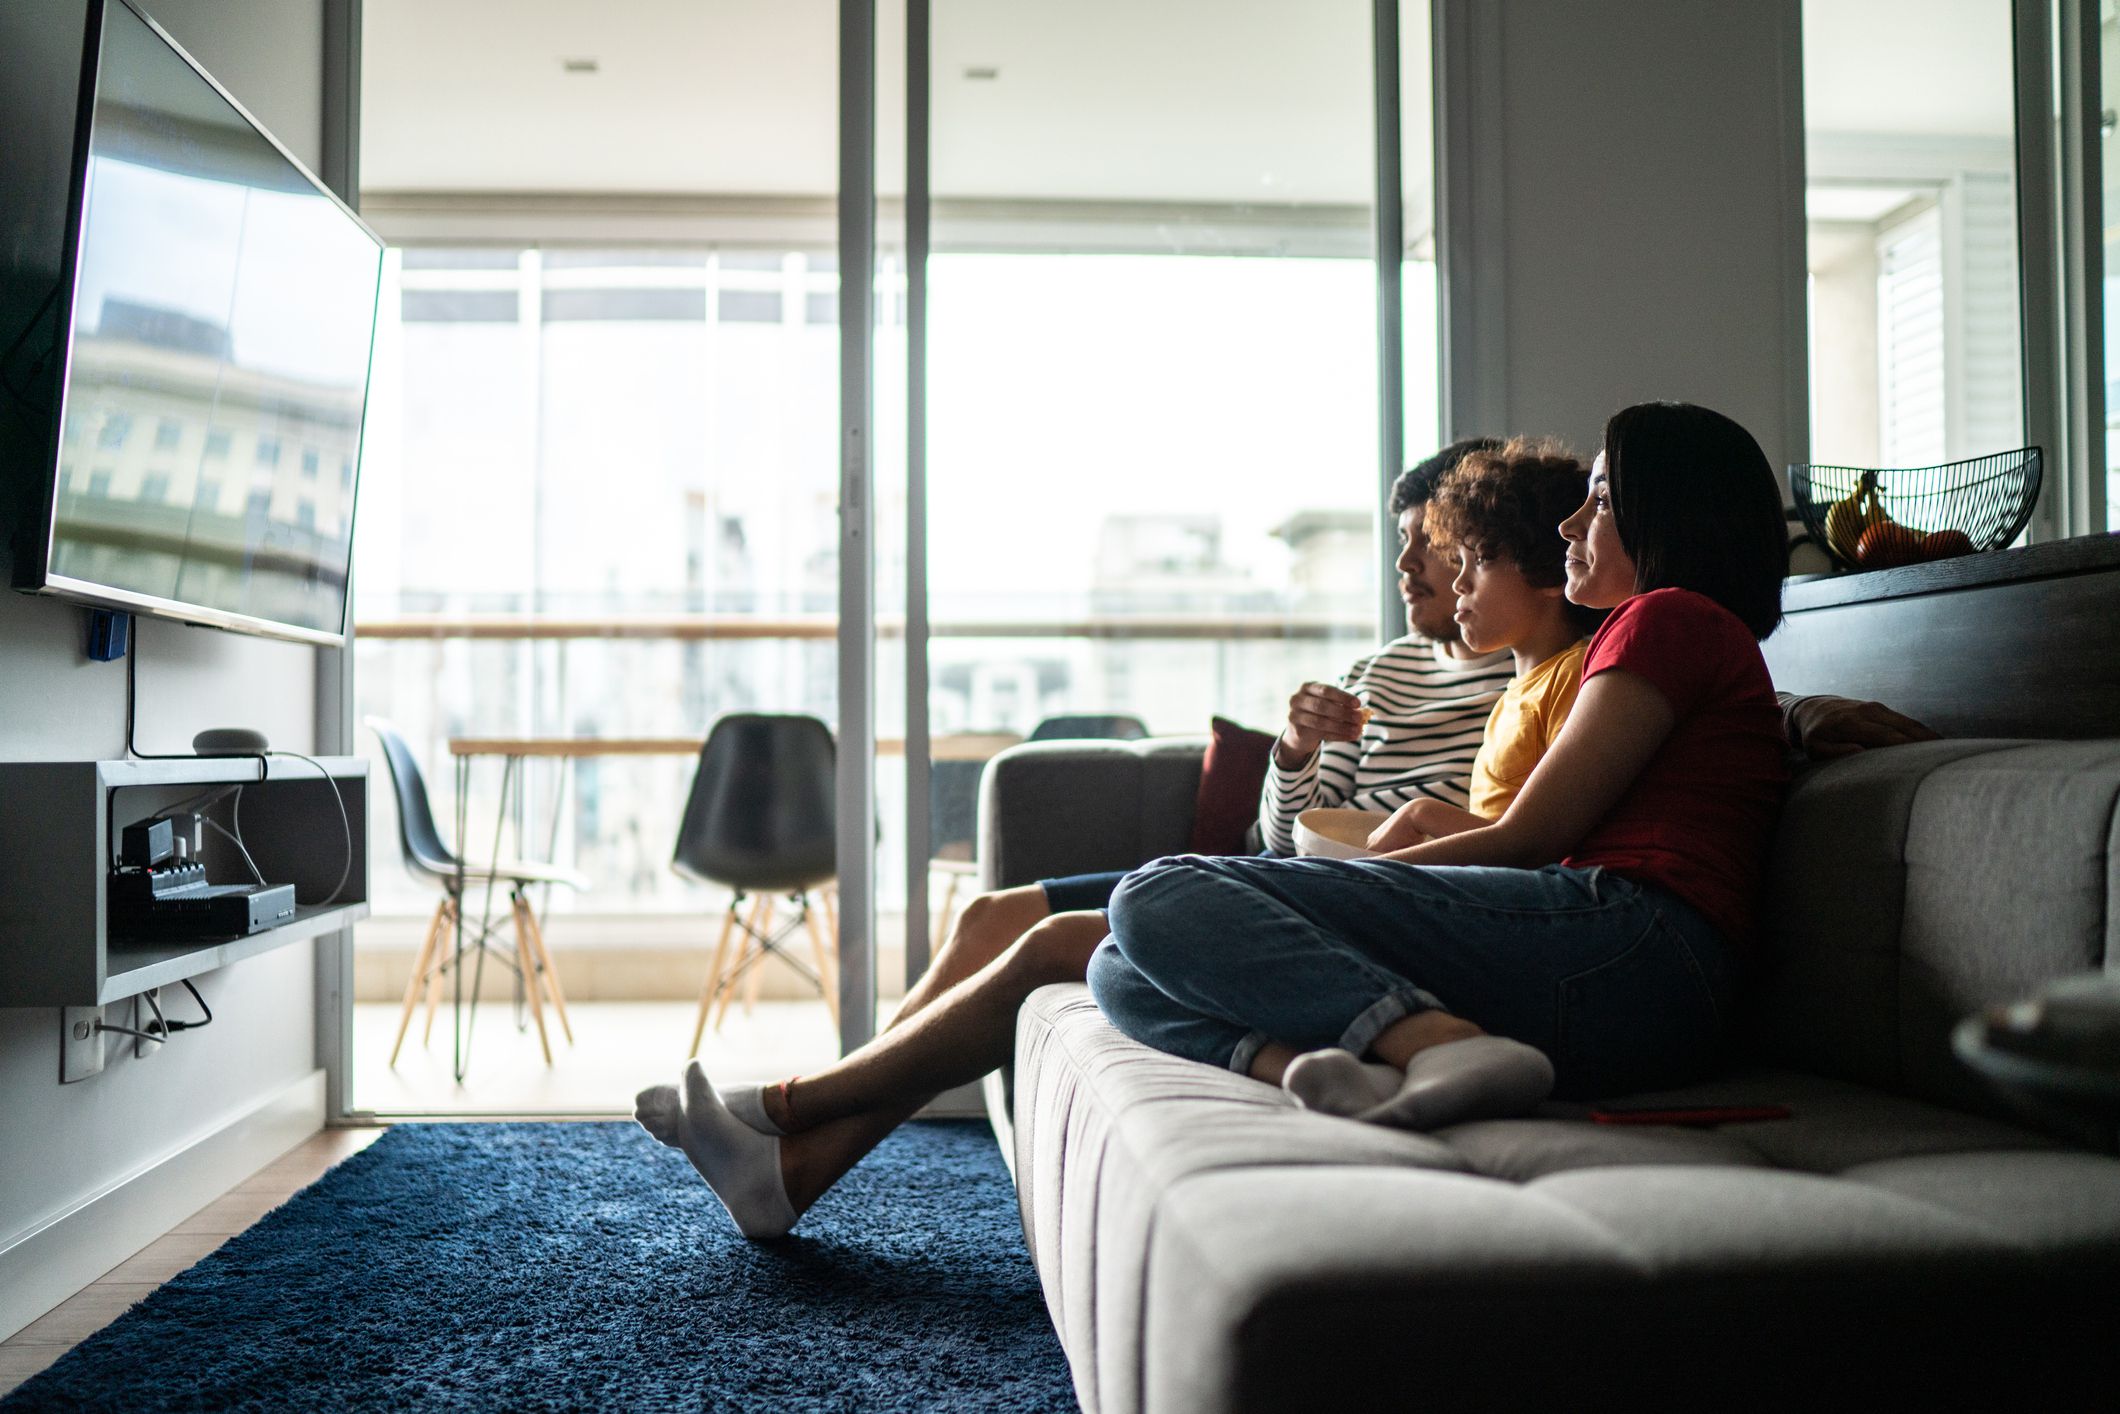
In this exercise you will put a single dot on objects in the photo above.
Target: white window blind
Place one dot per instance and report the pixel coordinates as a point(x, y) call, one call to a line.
point(1910, 341)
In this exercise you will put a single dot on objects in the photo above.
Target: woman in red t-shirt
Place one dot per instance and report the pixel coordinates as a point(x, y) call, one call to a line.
point(1589, 940)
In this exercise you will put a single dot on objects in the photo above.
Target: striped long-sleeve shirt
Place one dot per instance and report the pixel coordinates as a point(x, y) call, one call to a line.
point(1427, 713)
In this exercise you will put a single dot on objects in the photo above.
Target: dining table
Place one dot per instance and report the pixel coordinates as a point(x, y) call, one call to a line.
point(515, 751)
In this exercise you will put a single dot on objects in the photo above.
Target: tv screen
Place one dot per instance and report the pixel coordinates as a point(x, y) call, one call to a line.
point(217, 356)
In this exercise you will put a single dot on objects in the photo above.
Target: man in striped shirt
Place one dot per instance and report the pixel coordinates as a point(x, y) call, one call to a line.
point(1427, 696)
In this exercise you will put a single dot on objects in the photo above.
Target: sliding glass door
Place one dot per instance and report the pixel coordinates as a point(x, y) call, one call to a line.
point(600, 511)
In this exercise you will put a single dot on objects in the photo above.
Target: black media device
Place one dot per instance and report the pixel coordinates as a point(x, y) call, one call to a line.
point(175, 901)
point(146, 844)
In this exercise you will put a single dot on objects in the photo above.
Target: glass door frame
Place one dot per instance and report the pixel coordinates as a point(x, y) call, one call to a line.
point(856, 759)
point(2060, 119)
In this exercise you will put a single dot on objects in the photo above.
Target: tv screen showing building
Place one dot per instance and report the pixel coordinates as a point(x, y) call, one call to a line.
point(222, 320)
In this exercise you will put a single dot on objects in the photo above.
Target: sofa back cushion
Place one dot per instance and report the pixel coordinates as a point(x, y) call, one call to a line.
point(1053, 808)
point(1913, 886)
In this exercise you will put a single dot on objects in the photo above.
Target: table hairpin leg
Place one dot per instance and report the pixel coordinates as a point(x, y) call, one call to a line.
point(459, 1052)
point(464, 1016)
point(561, 772)
point(485, 919)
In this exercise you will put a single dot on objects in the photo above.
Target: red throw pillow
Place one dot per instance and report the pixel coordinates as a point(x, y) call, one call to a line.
point(1230, 781)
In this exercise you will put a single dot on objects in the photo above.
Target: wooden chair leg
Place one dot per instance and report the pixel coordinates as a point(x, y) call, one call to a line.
point(733, 980)
point(528, 964)
point(757, 975)
point(547, 970)
point(706, 992)
point(444, 959)
point(420, 963)
point(827, 966)
point(745, 966)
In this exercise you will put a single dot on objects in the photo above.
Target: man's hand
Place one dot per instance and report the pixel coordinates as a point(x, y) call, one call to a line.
point(1830, 727)
point(1401, 829)
point(1318, 712)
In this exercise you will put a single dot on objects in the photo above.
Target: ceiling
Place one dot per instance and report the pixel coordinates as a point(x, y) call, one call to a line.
point(1936, 68)
point(1124, 100)
point(1175, 100)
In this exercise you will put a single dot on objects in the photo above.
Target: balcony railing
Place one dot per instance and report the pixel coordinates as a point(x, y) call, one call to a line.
point(693, 627)
point(520, 676)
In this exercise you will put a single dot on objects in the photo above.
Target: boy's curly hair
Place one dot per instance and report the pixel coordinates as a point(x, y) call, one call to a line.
point(1509, 502)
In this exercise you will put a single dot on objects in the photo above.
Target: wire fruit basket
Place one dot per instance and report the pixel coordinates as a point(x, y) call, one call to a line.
point(1871, 518)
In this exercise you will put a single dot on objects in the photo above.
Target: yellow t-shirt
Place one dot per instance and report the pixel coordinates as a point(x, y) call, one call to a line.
point(1522, 726)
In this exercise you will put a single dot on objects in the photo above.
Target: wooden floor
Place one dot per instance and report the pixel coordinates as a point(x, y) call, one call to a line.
point(59, 1330)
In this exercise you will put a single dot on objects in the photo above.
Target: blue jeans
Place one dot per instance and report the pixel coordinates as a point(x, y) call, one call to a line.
point(1623, 987)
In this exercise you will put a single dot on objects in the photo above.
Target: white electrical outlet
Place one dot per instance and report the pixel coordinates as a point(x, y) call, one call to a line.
point(80, 1043)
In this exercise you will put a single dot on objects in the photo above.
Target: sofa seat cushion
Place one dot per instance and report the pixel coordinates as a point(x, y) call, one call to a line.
point(1834, 1127)
point(1200, 1228)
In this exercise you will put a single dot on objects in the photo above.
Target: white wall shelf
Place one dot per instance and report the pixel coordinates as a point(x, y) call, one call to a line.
point(59, 826)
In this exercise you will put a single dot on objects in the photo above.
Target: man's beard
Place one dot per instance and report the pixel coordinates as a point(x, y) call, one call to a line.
point(1443, 637)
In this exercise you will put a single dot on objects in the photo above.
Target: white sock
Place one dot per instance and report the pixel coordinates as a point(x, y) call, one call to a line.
point(741, 1165)
point(748, 1103)
point(1337, 1082)
point(1480, 1077)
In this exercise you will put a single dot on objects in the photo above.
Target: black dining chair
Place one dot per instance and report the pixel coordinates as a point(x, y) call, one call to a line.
point(1094, 726)
point(432, 862)
point(759, 822)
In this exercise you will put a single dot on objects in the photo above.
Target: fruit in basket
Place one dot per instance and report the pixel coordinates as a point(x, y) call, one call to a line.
point(1942, 544)
point(1848, 517)
point(1887, 543)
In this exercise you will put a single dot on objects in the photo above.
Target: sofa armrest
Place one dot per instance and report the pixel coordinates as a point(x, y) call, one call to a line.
point(1052, 808)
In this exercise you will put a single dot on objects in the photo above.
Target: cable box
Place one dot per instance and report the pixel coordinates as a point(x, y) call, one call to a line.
point(197, 910)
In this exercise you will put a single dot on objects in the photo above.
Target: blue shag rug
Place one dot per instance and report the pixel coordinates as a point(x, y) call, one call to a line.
point(585, 1266)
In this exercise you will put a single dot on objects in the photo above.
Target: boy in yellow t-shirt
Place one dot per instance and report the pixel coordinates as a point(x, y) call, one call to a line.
point(1500, 513)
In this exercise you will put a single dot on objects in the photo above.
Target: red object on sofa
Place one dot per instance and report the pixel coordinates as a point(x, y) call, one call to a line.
point(1231, 777)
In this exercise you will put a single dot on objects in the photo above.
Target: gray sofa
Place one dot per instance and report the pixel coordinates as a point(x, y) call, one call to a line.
point(1907, 1235)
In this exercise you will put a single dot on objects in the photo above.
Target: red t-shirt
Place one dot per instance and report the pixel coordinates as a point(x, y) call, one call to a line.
point(1699, 818)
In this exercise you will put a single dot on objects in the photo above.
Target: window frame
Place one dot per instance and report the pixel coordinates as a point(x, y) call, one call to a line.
point(2060, 240)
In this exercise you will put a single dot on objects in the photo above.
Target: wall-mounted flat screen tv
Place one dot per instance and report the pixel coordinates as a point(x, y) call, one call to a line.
point(217, 330)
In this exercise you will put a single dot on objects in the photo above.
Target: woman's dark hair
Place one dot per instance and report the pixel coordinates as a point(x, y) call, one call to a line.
point(1508, 502)
point(1417, 482)
point(1698, 508)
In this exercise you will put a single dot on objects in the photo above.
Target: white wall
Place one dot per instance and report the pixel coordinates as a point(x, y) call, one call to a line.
point(1843, 262)
point(62, 1145)
point(1626, 199)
